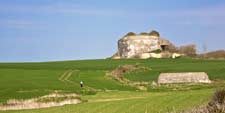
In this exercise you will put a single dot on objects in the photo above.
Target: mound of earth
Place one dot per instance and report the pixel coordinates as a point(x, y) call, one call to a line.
point(118, 73)
point(46, 101)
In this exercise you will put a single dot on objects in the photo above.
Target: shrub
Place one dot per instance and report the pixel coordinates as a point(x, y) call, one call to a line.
point(130, 34)
point(189, 50)
point(154, 33)
point(214, 54)
point(143, 33)
point(216, 105)
point(172, 48)
point(156, 51)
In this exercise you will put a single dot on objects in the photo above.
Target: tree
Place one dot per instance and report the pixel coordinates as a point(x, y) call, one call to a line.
point(189, 50)
point(204, 48)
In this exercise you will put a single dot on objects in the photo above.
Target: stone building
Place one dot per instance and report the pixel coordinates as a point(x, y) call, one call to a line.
point(134, 45)
point(184, 77)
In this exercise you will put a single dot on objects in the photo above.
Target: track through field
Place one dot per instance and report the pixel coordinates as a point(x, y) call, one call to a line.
point(66, 75)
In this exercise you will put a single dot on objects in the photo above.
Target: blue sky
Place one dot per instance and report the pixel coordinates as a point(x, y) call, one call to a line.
point(50, 30)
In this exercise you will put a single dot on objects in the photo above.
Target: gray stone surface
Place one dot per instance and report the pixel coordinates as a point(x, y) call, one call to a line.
point(186, 77)
point(130, 46)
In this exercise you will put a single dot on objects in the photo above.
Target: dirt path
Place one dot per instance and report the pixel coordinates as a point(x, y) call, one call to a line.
point(114, 99)
point(66, 75)
point(66, 78)
point(61, 78)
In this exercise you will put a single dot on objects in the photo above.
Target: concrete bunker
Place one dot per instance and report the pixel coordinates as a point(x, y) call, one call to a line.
point(184, 77)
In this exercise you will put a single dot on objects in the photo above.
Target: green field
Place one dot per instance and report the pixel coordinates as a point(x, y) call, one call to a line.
point(105, 95)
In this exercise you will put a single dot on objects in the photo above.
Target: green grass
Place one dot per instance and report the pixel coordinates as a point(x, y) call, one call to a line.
point(22, 83)
point(132, 102)
point(214, 68)
point(98, 80)
point(29, 80)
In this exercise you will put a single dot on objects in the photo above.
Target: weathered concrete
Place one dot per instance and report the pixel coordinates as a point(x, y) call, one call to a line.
point(150, 55)
point(116, 56)
point(144, 46)
point(130, 46)
point(186, 77)
point(176, 55)
point(155, 55)
point(144, 56)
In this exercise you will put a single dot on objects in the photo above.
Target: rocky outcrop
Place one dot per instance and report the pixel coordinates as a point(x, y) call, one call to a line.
point(186, 77)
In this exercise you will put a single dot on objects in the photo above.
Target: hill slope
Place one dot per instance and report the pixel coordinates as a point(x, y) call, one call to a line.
point(30, 80)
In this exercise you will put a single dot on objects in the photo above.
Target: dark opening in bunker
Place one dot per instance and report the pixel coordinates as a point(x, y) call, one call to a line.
point(164, 47)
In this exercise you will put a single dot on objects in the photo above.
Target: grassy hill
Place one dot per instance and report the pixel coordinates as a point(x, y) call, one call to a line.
point(30, 80)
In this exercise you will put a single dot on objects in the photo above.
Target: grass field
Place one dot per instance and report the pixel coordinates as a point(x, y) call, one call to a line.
point(132, 102)
point(29, 80)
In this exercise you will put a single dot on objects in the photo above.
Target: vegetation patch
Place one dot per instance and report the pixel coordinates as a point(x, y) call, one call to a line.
point(219, 54)
point(216, 104)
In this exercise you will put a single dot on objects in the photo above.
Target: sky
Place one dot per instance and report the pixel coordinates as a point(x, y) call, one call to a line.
point(55, 30)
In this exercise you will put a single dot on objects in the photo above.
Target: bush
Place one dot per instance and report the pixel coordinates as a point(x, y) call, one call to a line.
point(214, 54)
point(130, 34)
point(154, 33)
point(189, 50)
point(216, 105)
point(172, 48)
point(156, 51)
point(143, 33)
